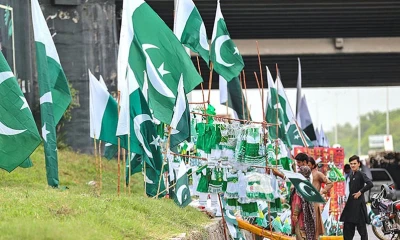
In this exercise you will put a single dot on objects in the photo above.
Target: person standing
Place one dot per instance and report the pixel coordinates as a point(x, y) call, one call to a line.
point(317, 179)
point(303, 212)
point(301, 159)
point(355, 211)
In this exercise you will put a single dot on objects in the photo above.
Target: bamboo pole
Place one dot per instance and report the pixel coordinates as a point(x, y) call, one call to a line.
point(234, 119)
point(144, 178)
point(101, 169)
point(259, 89)
point(119, 151)
point(124, 165)
point(165, 159)
point(210, 82)
point(241, 87)
point(223, 218)
point(245, 91)
point(261, 78)
point(261, 232)
point(96, 162)
point(201, 84)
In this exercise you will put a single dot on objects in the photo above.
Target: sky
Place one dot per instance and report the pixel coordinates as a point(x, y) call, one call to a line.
point(327, 106)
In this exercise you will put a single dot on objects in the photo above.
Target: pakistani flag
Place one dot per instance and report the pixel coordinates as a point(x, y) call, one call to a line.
point(304, 187)
point(182, 193)
point(54, 92)
point(291, 128)
point(190, 30)
point(19, 136)
point(232, 93)
point(224, 54)
point(231, 222)
point(323, 140)
point(103, 112)
point(304, 119)
point(135, 122)
point(156, 55)
point(275, 113)
point(181, 119)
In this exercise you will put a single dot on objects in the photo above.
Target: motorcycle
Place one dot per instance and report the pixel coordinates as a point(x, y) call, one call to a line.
point(386, 223)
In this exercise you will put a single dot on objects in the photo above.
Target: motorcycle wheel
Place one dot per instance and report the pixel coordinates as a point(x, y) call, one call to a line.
point(379, 234)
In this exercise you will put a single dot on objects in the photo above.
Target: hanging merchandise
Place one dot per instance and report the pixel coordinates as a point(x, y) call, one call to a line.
point(205, 174)
point(216, 182)
point(252, 147)
point(259, 187)
point(232, 189)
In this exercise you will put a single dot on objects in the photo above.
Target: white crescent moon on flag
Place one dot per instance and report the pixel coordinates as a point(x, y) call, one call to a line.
point(154, 77)
point(203, 37)
point(302, 186)
point(179, 193)
point(137, 121)
point(4, 130)
point(5, 75)
point(218, 43)
point(47, 97)
point(229, 215)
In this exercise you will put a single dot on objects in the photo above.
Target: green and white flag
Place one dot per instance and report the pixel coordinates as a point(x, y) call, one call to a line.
point(224, 54)
point(135, 122)
point(232, 93)
point(231, 222)
point(182, 193)
point(19, 136)
point(157, 55)
point(275, 113)
point(103, 112)
point(181, 120)
point(54, 92)
point(190, 30)
point(304, 187)
point(291, 129)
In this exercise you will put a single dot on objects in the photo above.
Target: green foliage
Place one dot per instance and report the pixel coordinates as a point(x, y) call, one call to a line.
point(31, 210)
point(373, 123)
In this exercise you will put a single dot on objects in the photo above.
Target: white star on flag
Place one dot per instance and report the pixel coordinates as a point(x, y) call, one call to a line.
point(25, 105)
point(156, 142)
point(236, 51)
point(44, 132)
point(296, 137)
point(277, 106)
point(162, 71)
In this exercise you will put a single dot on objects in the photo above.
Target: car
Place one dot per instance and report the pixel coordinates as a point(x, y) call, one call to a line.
point(378, 176)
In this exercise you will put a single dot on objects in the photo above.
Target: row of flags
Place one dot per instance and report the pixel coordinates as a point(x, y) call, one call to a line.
point(17, 126)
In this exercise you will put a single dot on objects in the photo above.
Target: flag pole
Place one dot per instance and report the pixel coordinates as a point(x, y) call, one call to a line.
point(164, 160)
point(261, 78)
point(144, 178)
point(223, 218)
point(119, 151)
point(241, 87)
point(101, 177)
point(245, 91)
point(124, 165)
point(201, 84)
point(95, 157)
point(210, 81)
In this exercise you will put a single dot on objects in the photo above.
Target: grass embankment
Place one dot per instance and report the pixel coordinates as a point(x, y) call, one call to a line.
point(29, 209)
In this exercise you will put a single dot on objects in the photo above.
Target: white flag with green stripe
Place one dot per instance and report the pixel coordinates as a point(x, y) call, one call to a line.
point(54, 91)
point(224, 54)
point(295, 133)
point(190, 30)
point(103, 112)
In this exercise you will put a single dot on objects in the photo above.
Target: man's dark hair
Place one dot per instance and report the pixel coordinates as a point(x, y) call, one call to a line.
point(302, 157)
point(354, 157)
point(312, 161)
point(347, 166)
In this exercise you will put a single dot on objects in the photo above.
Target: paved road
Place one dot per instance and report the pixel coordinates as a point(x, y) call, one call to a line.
point(371, 235)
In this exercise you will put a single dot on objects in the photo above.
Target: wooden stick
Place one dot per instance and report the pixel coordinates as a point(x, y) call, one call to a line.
point(223, 218)
point(101, 168)
point(124, 165)
point(233, 119)
point(259, 88)
point(201, 84)
point(165, 159)
point(245, 91)
point(119, 151)
point(144, 178)
point(95, 157)
point(189, 156)
point(129, 163)
point(261, 77)
point(197, 103)
point(210, 81)
point(168, 188)
point(241, 87)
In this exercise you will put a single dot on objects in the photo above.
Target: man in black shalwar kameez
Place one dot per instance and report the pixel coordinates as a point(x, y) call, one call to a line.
point(355, 212)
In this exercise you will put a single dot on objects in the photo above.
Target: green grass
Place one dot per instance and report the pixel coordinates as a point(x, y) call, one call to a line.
point(29, 209)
